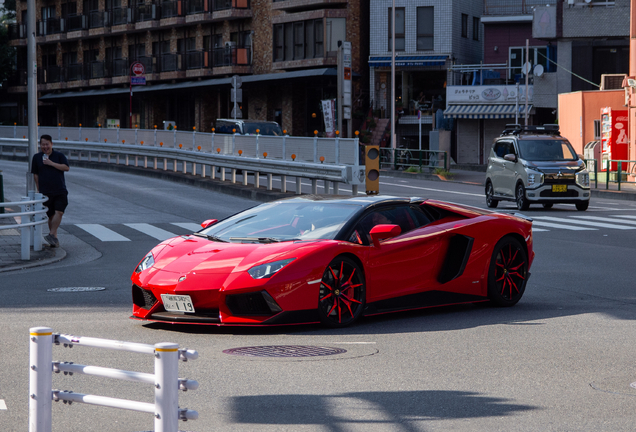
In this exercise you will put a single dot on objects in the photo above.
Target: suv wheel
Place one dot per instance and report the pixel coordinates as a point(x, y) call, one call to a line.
point(582, 206)
point(520, 198)
point(490, 201)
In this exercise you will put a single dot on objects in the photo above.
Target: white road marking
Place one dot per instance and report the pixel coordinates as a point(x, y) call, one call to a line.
point(605, 219)
point(434, 190)
point(538, 229)
point(102, 233)
point(625, 216)
point(152, 231)
point(188, 226)
point(567, 227)
point(3, 406)
point(594, 224)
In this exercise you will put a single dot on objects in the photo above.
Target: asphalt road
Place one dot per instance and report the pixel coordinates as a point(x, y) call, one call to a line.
point(561, 360)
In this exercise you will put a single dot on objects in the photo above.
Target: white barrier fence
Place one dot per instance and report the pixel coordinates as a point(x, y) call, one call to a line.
point(165, 379)
point(32, 216)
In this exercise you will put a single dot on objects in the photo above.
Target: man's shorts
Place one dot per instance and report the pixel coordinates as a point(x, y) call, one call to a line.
point(56, 202)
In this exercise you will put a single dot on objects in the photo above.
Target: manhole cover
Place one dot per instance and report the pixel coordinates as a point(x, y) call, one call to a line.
point(76, 289)
point(285, 351)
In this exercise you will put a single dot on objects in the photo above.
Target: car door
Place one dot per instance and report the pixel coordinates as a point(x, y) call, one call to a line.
point(496, 165)
point(506, 181)
point(402, 264)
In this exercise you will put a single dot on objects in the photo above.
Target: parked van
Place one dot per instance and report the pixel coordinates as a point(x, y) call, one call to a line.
point(248, 127)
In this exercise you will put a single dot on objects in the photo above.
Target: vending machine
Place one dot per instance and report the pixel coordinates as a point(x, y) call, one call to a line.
point(614, 138)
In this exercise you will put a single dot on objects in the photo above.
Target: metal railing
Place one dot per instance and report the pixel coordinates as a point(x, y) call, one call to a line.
point(32, 216)
point(330, 159)
point(624, 170)
point(165, 380)
point(407, 158)
point(513, 7)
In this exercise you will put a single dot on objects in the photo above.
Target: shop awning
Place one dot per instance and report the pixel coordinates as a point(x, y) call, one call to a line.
point(485, 111)
point(385, 61)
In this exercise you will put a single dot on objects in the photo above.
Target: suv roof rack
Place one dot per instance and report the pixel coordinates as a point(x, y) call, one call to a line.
point(517, 129)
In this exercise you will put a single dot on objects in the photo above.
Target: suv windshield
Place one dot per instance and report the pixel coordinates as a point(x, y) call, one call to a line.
point(546, 150)
point(285, 221)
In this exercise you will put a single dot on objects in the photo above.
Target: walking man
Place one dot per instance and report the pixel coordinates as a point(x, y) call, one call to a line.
point(48, 169)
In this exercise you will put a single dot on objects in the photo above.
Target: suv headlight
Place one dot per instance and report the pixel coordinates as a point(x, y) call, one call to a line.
point(146, 263)
point(583, 179)
point(535, 179)
point(269, 269)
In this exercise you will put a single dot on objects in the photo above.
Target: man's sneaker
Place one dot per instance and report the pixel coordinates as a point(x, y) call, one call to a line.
point(51, 240)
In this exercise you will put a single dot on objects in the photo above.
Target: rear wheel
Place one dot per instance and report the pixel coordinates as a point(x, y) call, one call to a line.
point(582, 206)
point(490, 201)
point(508, 272)
point(520, 198)
point(342, 293)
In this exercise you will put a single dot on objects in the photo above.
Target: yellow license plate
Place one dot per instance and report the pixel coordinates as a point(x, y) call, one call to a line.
point(559, 188)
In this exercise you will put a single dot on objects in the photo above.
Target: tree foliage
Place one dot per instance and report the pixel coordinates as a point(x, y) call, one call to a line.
point(7, 52)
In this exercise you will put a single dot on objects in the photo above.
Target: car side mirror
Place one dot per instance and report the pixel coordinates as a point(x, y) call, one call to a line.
point(510, 157)
point(384, 231)
point(208, 222)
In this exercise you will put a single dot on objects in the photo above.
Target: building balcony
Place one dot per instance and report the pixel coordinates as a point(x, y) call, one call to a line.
point(302, 63)
point(17, 34)
point(301, 5)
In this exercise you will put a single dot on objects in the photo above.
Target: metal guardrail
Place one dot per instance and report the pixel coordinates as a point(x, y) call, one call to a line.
point(329, 159)
point(623, 170)
point(165, 380)
point(407, 158)
point(32, 216)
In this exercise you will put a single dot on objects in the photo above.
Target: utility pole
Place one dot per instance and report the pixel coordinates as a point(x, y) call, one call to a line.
point(32, 89)
point(393, 136)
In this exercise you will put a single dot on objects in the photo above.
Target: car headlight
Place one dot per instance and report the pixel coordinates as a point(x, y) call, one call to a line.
point(268, 270)
point(535, 179)
point(146, 263)
point(583, 179)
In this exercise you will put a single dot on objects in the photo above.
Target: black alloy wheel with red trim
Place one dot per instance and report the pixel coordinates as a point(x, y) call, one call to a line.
point(508, 272)
point(342, 293)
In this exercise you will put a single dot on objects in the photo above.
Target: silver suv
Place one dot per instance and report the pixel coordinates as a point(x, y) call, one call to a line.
point(536, 165)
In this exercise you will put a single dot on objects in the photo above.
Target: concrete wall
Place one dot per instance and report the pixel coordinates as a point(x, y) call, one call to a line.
point(578, 110)
point(596, 21)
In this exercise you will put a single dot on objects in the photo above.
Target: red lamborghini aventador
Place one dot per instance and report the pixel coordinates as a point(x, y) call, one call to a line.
point(332, 260)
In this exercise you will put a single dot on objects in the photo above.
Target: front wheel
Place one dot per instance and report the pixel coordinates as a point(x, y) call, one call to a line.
point(490, 201)
point(582, 206)
point(508, 272)
point(342, 293)
point(520, 197)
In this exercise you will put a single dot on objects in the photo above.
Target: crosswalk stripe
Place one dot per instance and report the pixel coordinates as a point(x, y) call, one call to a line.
point(538, 229)
point(594, 224)
point(188, 226)
point(3, 406)
point(567, 227)
point(602, 219)
point(625, 216)
point(152, 231)
point(102, 233)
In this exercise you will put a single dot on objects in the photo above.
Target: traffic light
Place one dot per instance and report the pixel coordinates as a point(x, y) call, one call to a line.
point(372, 169)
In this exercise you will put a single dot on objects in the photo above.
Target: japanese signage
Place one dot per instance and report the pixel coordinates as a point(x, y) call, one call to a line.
point(487, 94)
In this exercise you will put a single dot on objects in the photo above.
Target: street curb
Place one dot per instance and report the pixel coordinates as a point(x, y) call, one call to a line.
point(59, 255)
point(611, 194)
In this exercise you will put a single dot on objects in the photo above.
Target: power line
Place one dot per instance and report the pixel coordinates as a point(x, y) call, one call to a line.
point(569, 71)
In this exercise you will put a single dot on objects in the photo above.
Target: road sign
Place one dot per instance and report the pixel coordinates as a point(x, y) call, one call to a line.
point(236, 95)
point(137, 80)
point(236, 113)
point(236, 81)
point(138, 68)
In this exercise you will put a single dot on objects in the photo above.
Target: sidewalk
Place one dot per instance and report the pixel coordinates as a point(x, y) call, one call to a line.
point(11, 251)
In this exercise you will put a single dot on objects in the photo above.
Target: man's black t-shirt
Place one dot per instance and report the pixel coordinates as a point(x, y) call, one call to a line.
point(50, 180)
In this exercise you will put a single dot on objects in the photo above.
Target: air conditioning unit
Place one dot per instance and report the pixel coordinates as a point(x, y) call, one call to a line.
point(612, 81)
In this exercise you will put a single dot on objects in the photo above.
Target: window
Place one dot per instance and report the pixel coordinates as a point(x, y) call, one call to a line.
point(475, 28)
point(191, 44)
point(405, 217)
point(517, 57)
point(400, 39)
point(425, 28)
point(48, 12)
point(298, 40)
point(464, 25)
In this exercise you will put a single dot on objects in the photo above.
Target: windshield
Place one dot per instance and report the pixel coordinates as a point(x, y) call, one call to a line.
point(264, 129)
point(280, 221)
point(546, 150)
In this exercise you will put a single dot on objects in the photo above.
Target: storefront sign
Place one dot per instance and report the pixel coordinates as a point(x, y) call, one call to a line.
point(487, 94)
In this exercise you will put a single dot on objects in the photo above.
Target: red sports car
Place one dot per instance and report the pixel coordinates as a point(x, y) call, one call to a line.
point(332, 260)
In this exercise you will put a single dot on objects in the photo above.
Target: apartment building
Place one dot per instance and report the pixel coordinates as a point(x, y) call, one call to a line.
point(283, 50)
point(430, 36)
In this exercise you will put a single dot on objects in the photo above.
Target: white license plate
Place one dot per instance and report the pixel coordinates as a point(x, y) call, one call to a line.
point(177, 303)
